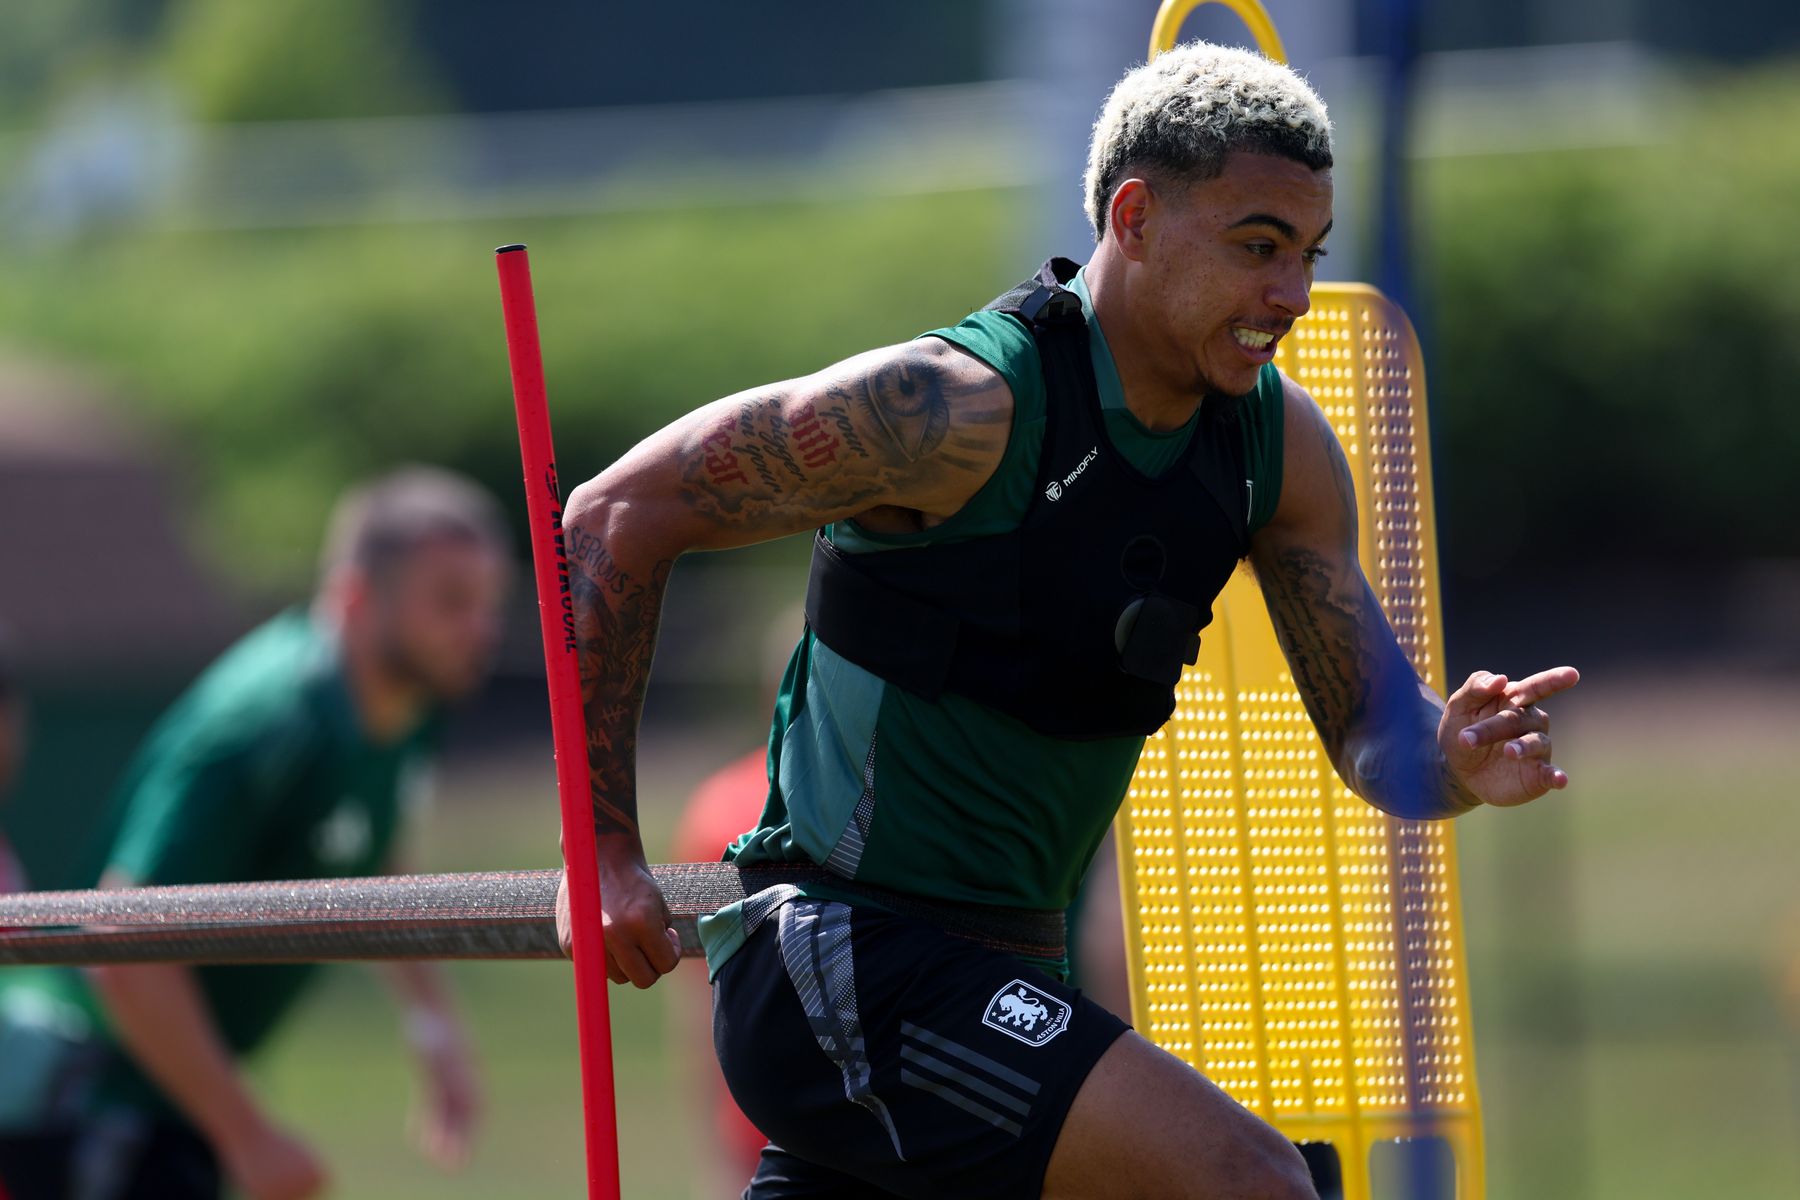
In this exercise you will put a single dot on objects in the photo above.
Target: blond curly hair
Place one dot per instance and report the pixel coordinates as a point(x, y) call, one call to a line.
point(1184, 111)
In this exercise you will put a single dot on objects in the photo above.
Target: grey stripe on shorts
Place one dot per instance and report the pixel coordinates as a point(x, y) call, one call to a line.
point(973, 1082)
point(815, 948)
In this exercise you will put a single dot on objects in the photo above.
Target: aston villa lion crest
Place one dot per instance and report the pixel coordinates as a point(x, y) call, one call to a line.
point(1024, 1012)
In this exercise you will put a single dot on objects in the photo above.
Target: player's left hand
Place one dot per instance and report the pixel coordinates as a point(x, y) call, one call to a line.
point(1496, 740)
point(444, 1120)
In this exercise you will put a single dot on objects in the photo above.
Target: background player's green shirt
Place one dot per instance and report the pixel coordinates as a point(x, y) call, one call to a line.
point(949, 798)
point(259, 771)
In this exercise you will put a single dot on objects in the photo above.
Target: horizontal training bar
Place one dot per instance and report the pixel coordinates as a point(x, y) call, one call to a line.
point(276, 942)
point(490, 914)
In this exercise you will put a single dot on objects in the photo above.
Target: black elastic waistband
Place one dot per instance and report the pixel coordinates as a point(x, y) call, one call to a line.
point(700, 888)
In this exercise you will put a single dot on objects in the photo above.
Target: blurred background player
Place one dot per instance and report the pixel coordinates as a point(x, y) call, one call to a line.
point(298, 754)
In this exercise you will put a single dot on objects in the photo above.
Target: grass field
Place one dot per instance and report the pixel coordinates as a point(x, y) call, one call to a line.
point(1621, 937)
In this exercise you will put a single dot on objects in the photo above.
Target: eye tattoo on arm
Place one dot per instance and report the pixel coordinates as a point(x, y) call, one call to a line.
point(907, 401)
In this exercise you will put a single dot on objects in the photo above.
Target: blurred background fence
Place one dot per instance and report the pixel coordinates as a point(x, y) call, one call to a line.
point(246, 264)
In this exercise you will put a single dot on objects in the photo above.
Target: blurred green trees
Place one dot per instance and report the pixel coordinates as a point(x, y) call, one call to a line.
point(1612, 348)
point(272, 60)
point(1616, 348)
point(48, 49)
point(282, 365)
point(292, 59)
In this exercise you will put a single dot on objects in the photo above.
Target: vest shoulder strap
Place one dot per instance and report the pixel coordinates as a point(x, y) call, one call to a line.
point(1217, 460)
point(1043, 297)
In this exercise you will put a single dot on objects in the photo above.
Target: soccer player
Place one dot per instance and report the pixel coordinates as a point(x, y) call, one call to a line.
point(1023, 522)
point(300, 753)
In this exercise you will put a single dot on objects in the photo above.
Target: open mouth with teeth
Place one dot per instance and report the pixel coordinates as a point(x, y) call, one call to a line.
point(1252, 339)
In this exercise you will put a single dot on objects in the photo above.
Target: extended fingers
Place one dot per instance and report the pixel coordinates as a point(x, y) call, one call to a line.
point(1533, 688)
point(1537, 773)
point(1507, 723)
point(1531, 745)
point(1530, 774)
point(1479, 689)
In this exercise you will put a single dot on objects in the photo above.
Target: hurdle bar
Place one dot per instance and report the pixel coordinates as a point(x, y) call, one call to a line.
point(486, 914)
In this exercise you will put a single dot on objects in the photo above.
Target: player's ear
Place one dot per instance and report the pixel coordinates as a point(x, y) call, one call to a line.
point(1128, 216)
point(346, 592)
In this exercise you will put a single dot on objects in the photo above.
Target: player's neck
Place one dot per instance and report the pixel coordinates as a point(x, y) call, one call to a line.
point(1157, 401)
point(388, 705)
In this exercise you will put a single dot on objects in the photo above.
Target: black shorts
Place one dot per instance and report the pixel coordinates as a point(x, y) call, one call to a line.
point(115, 1156)
point(883, 1057)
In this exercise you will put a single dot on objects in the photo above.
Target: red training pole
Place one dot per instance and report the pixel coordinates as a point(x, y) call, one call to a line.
point(543, 501)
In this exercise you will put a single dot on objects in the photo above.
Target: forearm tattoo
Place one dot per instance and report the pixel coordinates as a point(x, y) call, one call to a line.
point(616, 616)
point(1377, 721)
point(1324, 638)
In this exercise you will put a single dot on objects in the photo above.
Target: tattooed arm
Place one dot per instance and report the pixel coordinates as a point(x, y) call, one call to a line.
point(899, 438)
point(1391, 738)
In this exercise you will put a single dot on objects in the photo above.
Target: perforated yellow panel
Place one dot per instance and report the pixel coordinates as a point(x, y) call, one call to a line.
point(1296, 944)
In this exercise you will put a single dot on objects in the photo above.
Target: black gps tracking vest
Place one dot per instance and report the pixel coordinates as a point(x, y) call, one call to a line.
point(1079, 621)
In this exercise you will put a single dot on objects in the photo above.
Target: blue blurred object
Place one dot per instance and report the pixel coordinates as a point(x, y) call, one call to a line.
point(1398, 34)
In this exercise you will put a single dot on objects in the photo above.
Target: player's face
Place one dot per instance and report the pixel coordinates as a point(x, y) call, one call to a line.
point(1230, 262)
point(439, 615)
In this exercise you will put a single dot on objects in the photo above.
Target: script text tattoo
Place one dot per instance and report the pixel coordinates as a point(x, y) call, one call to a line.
point(617, 635)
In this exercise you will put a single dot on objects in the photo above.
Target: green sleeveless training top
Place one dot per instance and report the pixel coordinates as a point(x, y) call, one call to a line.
point(948, 798)
point(259, 771)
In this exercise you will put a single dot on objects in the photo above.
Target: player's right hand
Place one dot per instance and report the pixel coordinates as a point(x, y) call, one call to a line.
point(269, 1163)
point(641, 946)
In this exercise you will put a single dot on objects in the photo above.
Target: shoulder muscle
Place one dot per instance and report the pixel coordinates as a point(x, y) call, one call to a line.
point(1318, 496)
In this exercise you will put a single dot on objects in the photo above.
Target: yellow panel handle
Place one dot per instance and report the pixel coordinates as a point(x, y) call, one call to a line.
point(1173, 12)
